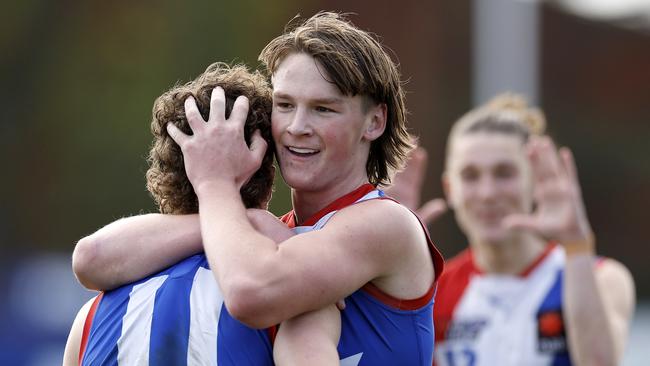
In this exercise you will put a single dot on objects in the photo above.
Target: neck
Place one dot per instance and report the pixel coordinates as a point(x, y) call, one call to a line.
point(511, 256)
point(307, 203)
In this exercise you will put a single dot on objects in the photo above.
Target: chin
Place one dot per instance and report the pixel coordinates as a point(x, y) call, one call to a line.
point(493, 236)
point(298, 181)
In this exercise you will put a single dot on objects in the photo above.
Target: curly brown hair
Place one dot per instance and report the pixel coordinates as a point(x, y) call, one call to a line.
point(166, 178)
point(357, 63)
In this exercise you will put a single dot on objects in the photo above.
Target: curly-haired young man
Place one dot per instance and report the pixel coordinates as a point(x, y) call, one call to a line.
point(176, 316)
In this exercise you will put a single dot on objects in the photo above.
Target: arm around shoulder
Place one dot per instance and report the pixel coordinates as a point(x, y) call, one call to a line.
point(134, 247)
point(376, 241)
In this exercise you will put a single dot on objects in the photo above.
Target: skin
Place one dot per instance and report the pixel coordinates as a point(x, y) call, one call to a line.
point(311, 115)
point(292, 346)
point(72, 346)
point(491, 183)
point(323, 139)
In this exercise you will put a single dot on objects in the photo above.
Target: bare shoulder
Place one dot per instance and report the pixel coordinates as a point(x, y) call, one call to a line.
point(615, 276)
point(383, 221)
point(616, 281)
point(394, 233)
point(614, 272)
point(73, 345)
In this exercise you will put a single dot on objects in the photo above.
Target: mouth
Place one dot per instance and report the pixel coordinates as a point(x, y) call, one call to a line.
point(490, 216)
point(302, 151)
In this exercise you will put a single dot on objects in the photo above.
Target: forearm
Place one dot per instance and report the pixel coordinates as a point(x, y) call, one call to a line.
point(309, 339)
point(240, 257)
point(134, 247)
point(589, 332)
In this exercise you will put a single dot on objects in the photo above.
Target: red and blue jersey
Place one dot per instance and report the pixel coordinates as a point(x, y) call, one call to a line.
point(177, 317)
point(376, 328)
point(496, 319)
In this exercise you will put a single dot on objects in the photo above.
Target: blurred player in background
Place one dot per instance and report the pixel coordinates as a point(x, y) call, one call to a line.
point(530, 289)
point(177, 316)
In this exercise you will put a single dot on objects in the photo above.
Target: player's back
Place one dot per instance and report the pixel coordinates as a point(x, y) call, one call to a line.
point(174, 317)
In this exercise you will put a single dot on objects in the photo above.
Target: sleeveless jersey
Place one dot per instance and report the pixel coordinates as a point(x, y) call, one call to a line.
point(377, 329)
point(507, 320)
point(174, 317)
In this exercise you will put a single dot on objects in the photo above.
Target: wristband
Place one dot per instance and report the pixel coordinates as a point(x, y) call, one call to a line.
point(582, 246)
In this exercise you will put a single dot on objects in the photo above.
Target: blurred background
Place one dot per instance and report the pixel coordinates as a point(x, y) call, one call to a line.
point(79, 80)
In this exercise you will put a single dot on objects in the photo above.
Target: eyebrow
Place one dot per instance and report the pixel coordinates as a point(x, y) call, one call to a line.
point(332, 100)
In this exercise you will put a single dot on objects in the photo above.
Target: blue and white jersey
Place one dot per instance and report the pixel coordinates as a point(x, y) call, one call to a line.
point(177, 317)
point(376, 328)
point(174, 317)
point(507, 320)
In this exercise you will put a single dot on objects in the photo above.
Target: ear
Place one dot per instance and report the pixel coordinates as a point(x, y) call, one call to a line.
point(446, 189)
point(377, 122)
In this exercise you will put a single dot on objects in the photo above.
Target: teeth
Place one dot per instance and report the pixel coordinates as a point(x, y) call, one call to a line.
point(302, 150)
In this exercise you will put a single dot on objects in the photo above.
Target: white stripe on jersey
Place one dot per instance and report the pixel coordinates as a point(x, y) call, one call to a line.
point(206, 301)
point(133, 345)
point(323, 220)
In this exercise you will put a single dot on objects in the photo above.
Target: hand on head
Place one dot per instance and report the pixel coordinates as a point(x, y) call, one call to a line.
point(217, 150)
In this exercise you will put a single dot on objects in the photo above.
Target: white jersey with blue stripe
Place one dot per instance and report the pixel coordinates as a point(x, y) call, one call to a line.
point(174, 317)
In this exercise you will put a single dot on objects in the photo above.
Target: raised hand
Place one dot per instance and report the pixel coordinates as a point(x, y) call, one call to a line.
point(217, 150)
point(560, 213)
point(407, 188)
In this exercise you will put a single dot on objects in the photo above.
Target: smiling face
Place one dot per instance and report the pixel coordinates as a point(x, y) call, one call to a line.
point(488, 177)
point(322, 137)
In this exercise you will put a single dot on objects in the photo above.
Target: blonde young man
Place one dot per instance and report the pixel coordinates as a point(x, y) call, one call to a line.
point(530, 289)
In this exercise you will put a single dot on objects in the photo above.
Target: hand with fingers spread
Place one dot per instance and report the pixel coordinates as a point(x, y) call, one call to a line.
point(217, 150)
point(560, 213)
point(407, 188)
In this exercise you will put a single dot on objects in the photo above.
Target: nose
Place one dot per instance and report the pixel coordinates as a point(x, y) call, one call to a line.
point(487, 188)
point(300, 123)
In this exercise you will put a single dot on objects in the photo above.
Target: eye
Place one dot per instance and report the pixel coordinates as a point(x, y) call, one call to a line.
point(283, 105)
point(322, 109)
point(505, 171)
point(469, 175)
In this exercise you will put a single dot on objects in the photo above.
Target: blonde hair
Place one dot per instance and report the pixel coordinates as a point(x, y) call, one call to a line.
point(357, 63)
point(507, 113)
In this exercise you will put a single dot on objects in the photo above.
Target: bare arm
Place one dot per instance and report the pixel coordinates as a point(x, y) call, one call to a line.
point(73, 345)
point(598, 306)
point(134, 247)
point(598, 302)
point(309, 339)
point(264, 283)
point(306, 339)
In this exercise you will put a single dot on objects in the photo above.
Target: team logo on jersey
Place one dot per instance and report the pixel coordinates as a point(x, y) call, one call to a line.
point(465, 329)
point(550, 332)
